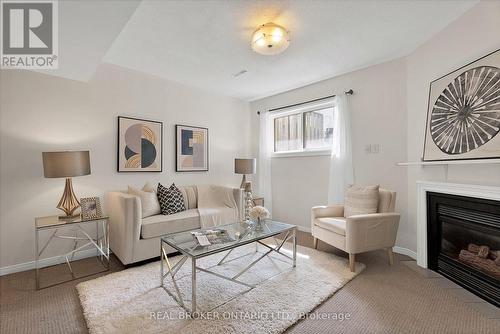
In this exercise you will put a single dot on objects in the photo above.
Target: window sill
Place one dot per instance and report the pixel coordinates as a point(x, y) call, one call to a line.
point(308, 153)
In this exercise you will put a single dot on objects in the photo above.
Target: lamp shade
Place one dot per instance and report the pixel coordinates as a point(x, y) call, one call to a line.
point(245, 166)
point(66, 164)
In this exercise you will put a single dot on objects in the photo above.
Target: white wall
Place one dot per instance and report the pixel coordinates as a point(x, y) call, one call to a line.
point(389, 108)
point(378, 117)
point(472, 36)
point(45, 113)
point(42, 113)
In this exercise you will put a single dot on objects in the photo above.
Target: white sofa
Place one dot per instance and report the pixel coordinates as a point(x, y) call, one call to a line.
point(134, 239)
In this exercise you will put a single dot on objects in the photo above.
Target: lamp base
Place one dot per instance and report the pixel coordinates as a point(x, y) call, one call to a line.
point(243, 181)
point(68, 202)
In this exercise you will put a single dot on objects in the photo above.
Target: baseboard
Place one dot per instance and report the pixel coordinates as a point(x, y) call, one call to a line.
point(45, 262)
point(405, 251)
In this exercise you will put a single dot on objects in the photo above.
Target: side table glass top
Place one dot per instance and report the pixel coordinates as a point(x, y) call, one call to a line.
point(236, 234)
point(54, 221)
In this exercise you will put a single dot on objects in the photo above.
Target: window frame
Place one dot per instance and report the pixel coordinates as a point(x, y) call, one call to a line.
point(304, 152)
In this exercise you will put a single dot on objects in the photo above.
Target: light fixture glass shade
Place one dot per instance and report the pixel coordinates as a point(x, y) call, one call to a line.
point(270, 39)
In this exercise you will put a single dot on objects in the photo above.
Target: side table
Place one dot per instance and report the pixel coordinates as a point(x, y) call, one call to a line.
point(100, 242)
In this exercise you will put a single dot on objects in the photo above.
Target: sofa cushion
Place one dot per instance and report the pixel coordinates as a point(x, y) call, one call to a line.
point(336, 225)
point(190, 198)
point(171, 199)
point(149, 187)
point(159, 225)
point(188, 193)
point(149, 202)
point(360, 200)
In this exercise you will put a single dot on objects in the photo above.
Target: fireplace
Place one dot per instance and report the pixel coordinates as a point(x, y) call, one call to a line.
point(463, 242)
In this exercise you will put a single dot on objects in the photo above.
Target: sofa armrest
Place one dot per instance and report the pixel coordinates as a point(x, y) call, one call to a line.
point(371, 231)
point(125, 219)
point(335, 210)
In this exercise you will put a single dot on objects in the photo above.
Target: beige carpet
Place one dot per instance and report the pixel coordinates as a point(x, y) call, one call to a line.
point(383, 299)
point(131, 301)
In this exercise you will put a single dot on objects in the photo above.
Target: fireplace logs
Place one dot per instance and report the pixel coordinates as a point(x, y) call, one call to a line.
point(481, 257)
point(483, 251)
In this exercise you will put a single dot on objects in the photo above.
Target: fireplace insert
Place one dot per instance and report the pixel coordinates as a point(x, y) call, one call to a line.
point(463, 241)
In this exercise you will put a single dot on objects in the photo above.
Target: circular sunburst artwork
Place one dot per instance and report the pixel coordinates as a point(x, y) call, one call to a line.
point(467, 113)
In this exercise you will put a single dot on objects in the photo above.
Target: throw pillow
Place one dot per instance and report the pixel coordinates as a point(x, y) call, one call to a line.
point(360, 200)
point(171, 199)
point(149, 201)
point(149, 188)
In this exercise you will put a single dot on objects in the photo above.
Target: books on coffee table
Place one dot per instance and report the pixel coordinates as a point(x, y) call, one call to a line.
point(212, 237)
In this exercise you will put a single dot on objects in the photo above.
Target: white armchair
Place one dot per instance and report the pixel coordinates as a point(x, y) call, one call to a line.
point(359, 233)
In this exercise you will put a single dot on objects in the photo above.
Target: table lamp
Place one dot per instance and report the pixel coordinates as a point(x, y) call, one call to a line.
point(245, 166)
point(66, 164)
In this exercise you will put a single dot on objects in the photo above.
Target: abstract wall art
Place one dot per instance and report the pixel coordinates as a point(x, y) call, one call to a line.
point(139, 145)
point(463, 115)
point(191, 148)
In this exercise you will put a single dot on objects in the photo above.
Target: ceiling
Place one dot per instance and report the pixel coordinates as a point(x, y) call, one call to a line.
point(203, 44)
point(87, 29)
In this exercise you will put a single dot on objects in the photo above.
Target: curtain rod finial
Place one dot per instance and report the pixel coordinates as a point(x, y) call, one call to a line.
point(349, 92)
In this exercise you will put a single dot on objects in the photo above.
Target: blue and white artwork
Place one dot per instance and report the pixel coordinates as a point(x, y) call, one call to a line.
point(191, 149)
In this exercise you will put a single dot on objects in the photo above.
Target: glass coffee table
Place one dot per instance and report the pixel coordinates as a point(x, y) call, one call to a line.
point(225, 238)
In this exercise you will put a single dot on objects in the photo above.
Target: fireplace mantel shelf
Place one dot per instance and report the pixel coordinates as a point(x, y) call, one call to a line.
point(449, 162)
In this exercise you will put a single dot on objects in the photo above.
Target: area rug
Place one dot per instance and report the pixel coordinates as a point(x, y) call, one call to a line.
point(132, 301)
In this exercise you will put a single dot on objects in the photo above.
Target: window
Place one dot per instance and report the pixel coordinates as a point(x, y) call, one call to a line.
point(307, 129)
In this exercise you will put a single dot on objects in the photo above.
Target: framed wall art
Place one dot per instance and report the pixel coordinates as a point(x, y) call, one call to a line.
point(191, 144)
point(140, 145)
point(463, 114)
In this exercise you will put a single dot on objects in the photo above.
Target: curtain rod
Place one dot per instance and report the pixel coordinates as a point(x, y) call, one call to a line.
point(349, 92)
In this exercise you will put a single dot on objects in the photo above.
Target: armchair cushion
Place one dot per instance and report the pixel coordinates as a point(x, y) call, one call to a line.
point(386, 201)
point(361, 200)
point(336, 225)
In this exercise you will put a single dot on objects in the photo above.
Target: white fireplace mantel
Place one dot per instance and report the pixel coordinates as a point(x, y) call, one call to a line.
point(470, 190)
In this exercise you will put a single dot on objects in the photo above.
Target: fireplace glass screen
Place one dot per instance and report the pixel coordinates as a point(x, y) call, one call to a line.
point(463, 242)
point(472, 247)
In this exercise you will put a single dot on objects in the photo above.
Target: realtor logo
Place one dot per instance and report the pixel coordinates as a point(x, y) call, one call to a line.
point(29, 34)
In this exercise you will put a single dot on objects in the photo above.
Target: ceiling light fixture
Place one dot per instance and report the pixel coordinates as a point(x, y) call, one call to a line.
point(270, 39)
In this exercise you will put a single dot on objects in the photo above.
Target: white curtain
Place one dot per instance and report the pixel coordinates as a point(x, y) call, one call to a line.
point(264, 164)
point(341, 169)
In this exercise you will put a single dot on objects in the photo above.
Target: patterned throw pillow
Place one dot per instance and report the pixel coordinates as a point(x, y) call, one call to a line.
point(171, 199)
